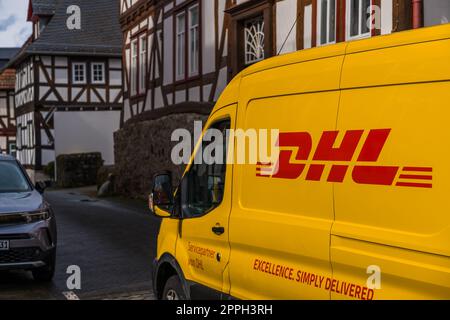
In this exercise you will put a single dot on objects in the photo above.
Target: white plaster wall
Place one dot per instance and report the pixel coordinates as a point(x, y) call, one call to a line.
point(386, 16)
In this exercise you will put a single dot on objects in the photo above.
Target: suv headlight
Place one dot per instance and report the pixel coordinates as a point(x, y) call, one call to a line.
point(36, 216)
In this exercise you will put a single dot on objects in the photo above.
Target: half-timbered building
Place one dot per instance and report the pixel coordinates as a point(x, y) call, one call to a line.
point(68, 93)
point(184, 52)
point(264, 28)
point(7, 115)
point(174, 51)
point(187, 50)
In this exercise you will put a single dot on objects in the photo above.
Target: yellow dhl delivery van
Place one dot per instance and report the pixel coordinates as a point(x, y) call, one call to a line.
point(359, 207)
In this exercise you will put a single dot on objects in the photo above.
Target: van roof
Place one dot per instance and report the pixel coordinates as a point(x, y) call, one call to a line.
point(390, 40)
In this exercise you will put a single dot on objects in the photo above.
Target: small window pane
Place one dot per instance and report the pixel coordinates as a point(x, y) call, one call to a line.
point(365, 16)
point(193, 40)
point(98, 73)
point(181, 45)
point(180, 23)
point(323, 21)
point(134, 48)
point(332, 22)
point(354, 18)
point(79, 72)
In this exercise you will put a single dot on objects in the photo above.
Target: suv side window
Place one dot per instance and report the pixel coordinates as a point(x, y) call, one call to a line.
point(203, 186)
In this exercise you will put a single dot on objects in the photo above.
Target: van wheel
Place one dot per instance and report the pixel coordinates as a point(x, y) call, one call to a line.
point(173, 289)
point(45, 273)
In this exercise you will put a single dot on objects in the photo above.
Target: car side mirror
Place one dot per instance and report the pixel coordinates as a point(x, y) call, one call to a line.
point(161, 198)
point(40, 186)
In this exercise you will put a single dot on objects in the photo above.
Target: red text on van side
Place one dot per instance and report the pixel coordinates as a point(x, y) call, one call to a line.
point(296, 150)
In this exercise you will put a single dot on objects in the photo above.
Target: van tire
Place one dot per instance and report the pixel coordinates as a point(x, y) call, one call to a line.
point(173, 290)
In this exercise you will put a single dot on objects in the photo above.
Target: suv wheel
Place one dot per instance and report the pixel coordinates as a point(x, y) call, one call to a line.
point(45, 273)
point(173, 289)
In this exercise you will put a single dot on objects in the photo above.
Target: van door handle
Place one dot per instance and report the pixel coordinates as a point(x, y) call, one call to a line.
point(218, 230)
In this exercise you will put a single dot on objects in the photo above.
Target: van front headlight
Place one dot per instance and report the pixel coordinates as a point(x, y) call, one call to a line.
point(36, 216)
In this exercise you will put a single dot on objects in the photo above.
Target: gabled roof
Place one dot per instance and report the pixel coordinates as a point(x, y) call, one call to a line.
point(7, 79)
point(100, 33)
point(6, 54)
point(41, 8)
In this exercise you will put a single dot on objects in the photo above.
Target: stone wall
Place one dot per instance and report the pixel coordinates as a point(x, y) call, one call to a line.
point(78, 170)
point(143, 147)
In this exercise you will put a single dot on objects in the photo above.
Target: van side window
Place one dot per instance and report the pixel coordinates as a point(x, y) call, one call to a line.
point(203, 186)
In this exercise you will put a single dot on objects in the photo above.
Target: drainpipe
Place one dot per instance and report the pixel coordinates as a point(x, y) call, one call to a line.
point(417, 13)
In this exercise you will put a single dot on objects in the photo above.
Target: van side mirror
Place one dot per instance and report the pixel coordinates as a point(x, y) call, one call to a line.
point(40, 186)
point(161, 198)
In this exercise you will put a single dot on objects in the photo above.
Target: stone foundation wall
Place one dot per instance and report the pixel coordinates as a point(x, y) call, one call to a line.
point(143, 147)
point(78, 170)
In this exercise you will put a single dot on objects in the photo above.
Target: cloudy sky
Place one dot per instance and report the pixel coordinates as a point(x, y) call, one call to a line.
point(14, 29)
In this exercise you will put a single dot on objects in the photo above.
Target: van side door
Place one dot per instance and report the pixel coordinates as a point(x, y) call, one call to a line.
point(202, 248)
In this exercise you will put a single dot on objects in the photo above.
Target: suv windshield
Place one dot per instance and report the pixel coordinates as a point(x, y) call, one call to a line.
point(12, 178)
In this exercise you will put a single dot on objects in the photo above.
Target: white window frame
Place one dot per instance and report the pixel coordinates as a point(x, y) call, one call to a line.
point(180, 47)
point(74, 80)
point(102, 64)
point(348, 22)
point(142, 63)
point(194, 49)
point(133, 66)
point(319, 23)
point(37, 29)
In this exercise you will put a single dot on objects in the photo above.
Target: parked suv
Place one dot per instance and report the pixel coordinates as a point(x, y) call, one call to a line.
point(27, 223)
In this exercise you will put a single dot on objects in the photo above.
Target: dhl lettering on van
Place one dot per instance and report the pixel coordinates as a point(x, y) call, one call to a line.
point(297, 147)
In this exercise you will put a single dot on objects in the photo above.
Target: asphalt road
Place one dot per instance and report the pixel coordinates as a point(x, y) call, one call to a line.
point(112, 241)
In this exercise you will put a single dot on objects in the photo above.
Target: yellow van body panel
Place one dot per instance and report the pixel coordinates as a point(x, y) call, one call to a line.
point(372, 220)
point(269, 214)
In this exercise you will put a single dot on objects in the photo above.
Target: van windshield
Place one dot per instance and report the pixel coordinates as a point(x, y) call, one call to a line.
point(12, 178)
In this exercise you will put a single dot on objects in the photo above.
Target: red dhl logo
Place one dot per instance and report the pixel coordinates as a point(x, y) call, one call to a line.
point(296, 149)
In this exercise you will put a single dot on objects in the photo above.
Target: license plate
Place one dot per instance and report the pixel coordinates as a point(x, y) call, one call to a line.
point(4, 245)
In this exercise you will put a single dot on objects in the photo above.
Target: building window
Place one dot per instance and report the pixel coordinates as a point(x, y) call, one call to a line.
point(187, 48)
point(12, 150)
point(181, 46)
point(358, 18)
point(327, 21)
point(194, 43)
point(79, 73)
point(133, 68)
point(142, 64)
point(436, 12)
point(98, 73)
point(254, 40)
point(30, 137)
